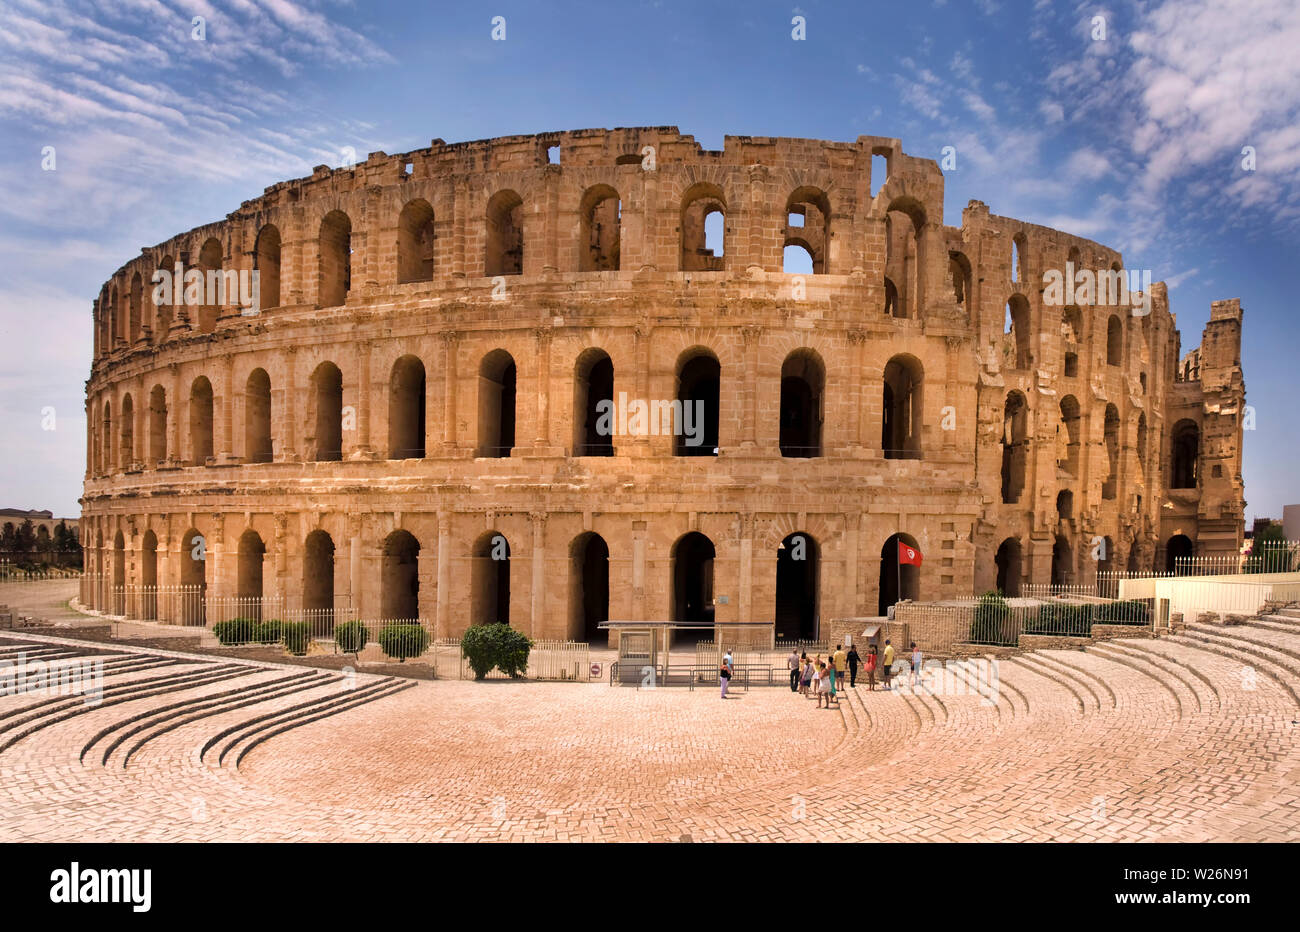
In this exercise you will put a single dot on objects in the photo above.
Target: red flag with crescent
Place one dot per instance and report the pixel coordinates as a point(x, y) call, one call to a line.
point(908, 554)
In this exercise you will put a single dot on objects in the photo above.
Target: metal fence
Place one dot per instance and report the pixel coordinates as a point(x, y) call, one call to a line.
point(995, 622)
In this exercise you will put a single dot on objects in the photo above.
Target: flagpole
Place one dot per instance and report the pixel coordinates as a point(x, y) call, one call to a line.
point(898, 568)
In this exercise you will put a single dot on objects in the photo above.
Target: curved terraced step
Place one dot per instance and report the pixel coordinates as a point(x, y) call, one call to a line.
point(176, 714)
point(1161, 648)
point(1179, 685)
point(1285, 656)
point(1247, 656)
point(1027, 662)
point(1089, 679)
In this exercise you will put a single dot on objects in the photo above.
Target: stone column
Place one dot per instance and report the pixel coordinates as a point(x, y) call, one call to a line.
point(751, 335)
point(175, 455)
point(289, 418)
point(364, 389)
point(543, 335)
point(228, 413)
point(449, 340)
point(858, 352)
point(746, 593)
point(441, 623)
point(537, 624)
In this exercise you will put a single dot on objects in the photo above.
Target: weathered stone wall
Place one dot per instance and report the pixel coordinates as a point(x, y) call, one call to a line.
point(895, 291)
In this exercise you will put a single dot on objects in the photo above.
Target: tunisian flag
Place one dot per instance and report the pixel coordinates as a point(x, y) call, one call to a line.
point(908, 554)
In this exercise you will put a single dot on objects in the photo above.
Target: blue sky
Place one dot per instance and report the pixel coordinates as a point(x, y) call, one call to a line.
point(1134, 140)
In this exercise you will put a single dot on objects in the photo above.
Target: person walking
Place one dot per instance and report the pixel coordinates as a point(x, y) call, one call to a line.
point(841, 660)
point(724, 673)
point(872, 658)
point(916, 664)
point(854, 660)
point(887, 663)
point(793, 662)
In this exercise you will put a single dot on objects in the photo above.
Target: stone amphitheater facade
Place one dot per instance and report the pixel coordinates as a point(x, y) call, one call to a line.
point(406, 425)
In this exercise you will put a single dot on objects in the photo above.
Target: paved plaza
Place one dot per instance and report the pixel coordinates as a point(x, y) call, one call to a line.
point(1187, 738)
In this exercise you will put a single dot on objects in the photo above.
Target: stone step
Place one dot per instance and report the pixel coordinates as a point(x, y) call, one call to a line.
point(1246, 656)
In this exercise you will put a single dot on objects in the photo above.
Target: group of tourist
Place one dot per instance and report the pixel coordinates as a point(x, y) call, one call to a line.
point(823, 679)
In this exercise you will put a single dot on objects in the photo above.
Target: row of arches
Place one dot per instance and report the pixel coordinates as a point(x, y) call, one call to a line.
point(693, 416)
point(798, 578)
point(1009, 560)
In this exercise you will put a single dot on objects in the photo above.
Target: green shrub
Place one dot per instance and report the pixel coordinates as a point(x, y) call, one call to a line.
point(236, 631)
point(270, 632)
point(991, 624)
point(351, 636)
point(1128, 612)
point(1062, 618)
point(499, 646)
point(403, 640)
point(296, 635)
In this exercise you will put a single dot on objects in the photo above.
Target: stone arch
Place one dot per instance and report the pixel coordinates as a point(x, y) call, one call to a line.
point(902, 410)
point(959, 278)
point(258, 446)
point(700, 201)
point(266, 262)
point(211, 260)
point(126, 448)
point(106, 452)
point(248, 587)
point(157, 425)
point(163, 309)
point(490, 580)
point(119, 574)
point(1008, 560)
point(692, 558)
point(497, 398)
point(1062, 561)
point(193, 578)
point(1184, 455)
point(1017, 327)
point(1114, 341)
point(1065, 505)
point(814, 233)
point(797, 587)
point(1142, 443)
point(406, 409)
point(588, 586)
point(1015, 446)
point(699, 381)
point(401, 577)
point(1068, 440)
point(201, 447)
point(334, 260)
point(1072, 336)
point(318, 580)
point(149, 575)
point(803, 386)
point(327, 413)
point(600, 213)
point(505, 235)
point(1179, 548)
point(1110, 433)
point(135, 298)
point(905, 259)
point(893, 575)
point(415, 242)
point(593, 399)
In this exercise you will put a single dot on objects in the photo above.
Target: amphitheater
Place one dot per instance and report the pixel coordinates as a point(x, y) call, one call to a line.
point(410, 419)
point(1188, 737)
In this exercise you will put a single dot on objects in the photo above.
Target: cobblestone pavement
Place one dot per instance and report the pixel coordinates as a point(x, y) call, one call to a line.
point(1186, 738)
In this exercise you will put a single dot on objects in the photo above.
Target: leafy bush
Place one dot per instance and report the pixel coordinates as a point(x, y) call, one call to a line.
point(236, 631)
point(1062, 618)
point(1129, 612)
point(270, 632)
point(351, 636)
point(991, 624)
point(403, 640)
point(499, 646)
point(295, 637)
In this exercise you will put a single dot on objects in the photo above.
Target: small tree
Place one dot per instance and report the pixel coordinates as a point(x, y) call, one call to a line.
point(496, 645)
point(991, 616)
point(351, 637)
point(403, 640)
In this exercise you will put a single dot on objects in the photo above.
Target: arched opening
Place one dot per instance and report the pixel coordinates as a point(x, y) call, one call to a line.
point(796, 588)
point(593, 405)
point(1111, 433)
point(106, 440)
point(136, 298)
point(163, 309)
point(327, 399)
point(266, 263)
point(406, 407)
point(808, 227)
point(803, 379)
point(703, 229)
point(898, 582)
point(415, 246)
point(588, 587)
point(334, 260)
point(1105, 557)
point(959, 278)
point(692, 591)
point(149, 576)
point(210, 264)
point(1065, 505)
point(505, 235)
point(193, 560)
point(126, 449)
point(200, 421)
point(601, 214)
point(900, 428)
point(401, 577)
point(249, 586)
point(1142, 440)
point(1114, 341)
point(1062, 562)
point(1184, 456)
point(1178, 554)
point(490, 597)
point(496, 404)
point(1009, 567)
point(119, 575)
point(1067, 438)
point(1071, 337)
point(318, 581)
point(695, 431)
point(1017, 343)
point(257, 418)
point(157, 425)
point(904, 220)
point(892, 306)
point(1015, 446)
